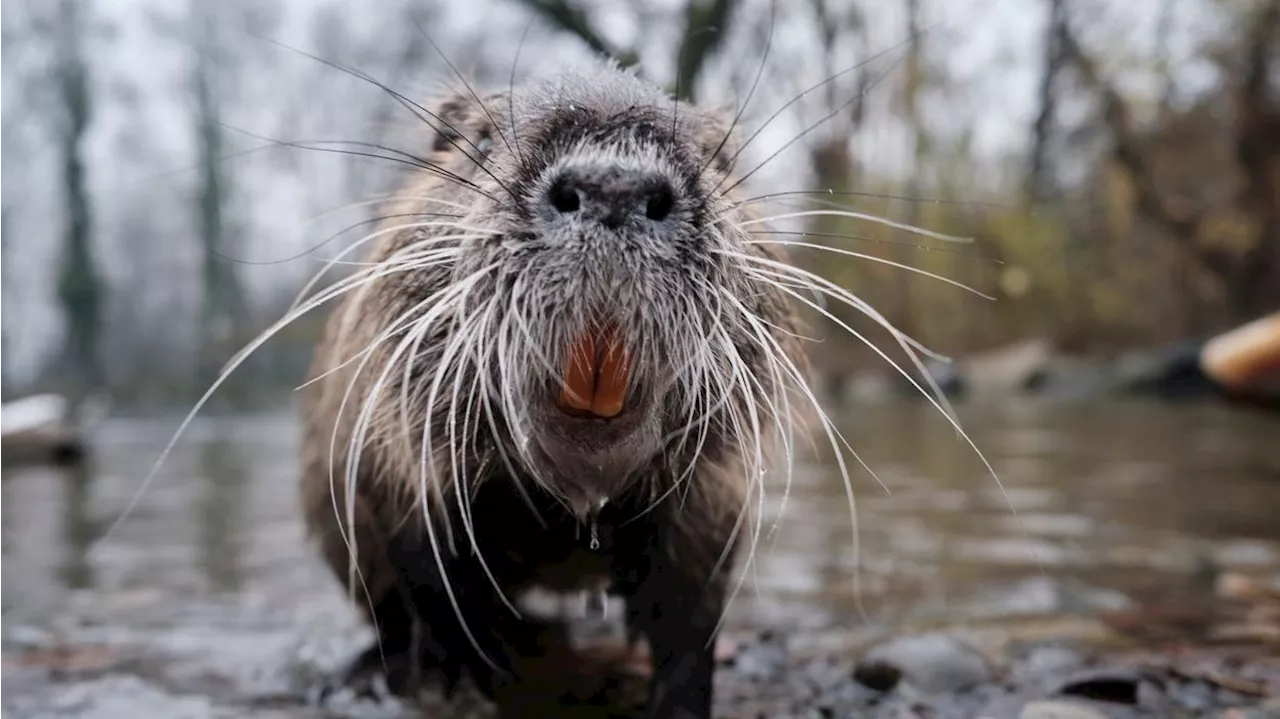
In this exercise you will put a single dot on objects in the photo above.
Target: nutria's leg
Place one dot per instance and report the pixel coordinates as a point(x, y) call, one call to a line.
point(391, 655)
point(683, 670)
point(496, 630)
point(676, 604)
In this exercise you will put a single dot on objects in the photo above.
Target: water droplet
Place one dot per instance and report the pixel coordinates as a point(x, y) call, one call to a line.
point(597, 604)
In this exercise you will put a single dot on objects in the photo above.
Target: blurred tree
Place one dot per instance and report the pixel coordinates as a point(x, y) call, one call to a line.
point(1235, 239)
point(6, 277)
point(704, 26)
point(80, 287)
point(223, 304)
point(1038, 183)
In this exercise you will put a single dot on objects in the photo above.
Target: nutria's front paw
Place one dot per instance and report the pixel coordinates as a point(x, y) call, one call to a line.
point(376, 673)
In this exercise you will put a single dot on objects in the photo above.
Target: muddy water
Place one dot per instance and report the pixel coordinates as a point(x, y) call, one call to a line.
point(206, 601)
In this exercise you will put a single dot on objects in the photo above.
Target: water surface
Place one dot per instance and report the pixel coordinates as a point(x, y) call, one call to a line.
point(1093, 503)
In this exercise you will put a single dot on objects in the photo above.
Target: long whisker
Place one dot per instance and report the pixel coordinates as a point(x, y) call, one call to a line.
point(784, 275)
point(832, 435)
point(408, 104)
point(332, 237)
point(396, 156)
point(471, 90)
point(405, 322)
point(225, 374)
point(811, 194)
point(822, 120)
point(756, 470)
point(878, 241)
point(455, 345)
point(352, 205)
point(873, 258)
point(511, 91)
point(805, 93)
point(385, 231)
point(857, 216)
point(358, 279)
point(948, 415)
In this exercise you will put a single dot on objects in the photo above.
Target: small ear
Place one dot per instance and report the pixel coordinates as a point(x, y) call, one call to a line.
point(451, 121)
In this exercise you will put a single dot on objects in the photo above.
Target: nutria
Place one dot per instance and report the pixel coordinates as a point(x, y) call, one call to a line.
point(564, 364)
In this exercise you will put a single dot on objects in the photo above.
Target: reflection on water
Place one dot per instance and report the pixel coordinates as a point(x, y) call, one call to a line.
point(220, 512)
point(78, 530)
point(1109, 499)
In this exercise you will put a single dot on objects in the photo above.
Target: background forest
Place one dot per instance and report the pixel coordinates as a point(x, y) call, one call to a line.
point(1117, 164)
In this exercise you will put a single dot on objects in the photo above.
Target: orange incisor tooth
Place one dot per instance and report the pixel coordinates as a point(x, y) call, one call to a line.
point(595, 375)
point(611, 382)
point(579, 375)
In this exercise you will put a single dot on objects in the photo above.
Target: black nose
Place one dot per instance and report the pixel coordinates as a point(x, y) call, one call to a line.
point(610, 194)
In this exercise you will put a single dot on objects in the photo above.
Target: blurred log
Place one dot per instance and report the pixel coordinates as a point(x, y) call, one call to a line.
point(1245, 362)
point(39, 429)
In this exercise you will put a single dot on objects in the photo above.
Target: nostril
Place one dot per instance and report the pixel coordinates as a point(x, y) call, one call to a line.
point(661, 201)
point(564, 196)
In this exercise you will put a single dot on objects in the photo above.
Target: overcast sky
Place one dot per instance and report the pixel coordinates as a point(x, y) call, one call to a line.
point(142, 138)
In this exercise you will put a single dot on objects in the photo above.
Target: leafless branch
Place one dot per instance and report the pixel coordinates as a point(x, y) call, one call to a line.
point(571, 18)
point(706, 23)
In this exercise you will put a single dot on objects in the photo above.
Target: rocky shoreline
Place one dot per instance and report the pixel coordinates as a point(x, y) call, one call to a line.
point(259, 659)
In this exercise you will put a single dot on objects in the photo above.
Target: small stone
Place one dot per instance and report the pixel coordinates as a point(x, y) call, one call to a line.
point(931, 663)
point(1105, 685)
point(1059, 710)
point(1269, 709)
point(879, 676)
point(1049, 661)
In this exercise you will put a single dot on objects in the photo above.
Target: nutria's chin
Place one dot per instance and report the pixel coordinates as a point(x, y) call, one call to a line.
point(591, 459)
point(571, 326)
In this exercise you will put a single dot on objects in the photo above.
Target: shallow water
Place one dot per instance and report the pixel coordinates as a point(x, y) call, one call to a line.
point(1113, 495)
point(1095, 504)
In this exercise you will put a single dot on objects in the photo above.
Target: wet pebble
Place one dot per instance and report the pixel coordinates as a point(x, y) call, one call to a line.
point(114, 696)
point(1059, 710)
point(1121, 687)
point(1269, 709)
point(762, 659)
point(880, 676)
point(1048, 662)
point(930, 663)
point(1197, 696)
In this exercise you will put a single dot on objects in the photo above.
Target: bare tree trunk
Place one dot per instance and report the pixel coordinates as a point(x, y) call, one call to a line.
point(223, 304)
point(904, 313)
point(1037, 182)
point(1258, 151)
point(6, 323)
point(80, 288)
point(706, 23)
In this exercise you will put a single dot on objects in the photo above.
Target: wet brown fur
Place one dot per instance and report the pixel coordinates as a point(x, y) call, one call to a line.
point(387, 507)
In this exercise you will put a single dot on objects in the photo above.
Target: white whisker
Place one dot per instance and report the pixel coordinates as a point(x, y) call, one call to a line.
point(873, 258)
point(858, 216)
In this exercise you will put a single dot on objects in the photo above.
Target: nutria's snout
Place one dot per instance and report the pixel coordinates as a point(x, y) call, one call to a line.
point(611, 195)
point(608, 231)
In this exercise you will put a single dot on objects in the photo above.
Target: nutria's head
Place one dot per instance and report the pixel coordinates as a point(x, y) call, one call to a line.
point(601, 312)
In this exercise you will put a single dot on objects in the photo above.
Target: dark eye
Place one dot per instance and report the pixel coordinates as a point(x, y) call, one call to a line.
point(661, 200)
